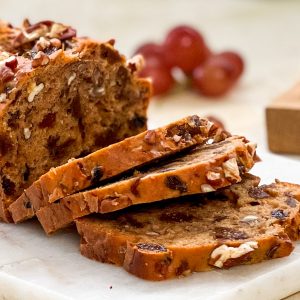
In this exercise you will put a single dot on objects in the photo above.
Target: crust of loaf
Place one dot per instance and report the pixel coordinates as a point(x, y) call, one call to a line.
point(152, 259)
point(190, 174)
point(110, 161)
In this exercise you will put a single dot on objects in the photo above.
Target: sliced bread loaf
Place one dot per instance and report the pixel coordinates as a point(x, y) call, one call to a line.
point(110, 161)
point(242, 224)
point(203, 169)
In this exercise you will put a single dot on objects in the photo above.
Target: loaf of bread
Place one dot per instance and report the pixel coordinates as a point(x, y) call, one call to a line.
point(242, 224)
point(81, 173)
point(60, 97)
point(201, 170)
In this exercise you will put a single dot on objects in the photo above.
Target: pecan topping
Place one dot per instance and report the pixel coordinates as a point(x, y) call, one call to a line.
point(150, 137)
point(6, 74)
point(40, 59)
point(42, 44)
point(11, 62)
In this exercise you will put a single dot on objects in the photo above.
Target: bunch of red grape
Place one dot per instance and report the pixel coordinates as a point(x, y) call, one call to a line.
point(212, 74)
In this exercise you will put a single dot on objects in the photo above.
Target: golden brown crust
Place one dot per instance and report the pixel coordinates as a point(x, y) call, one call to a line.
point(60, 97)
point(124, 238)
point(150, 145)
point(204, 169)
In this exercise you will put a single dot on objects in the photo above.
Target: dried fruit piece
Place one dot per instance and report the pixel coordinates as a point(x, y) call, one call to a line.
point(176, 217)
point(257, 193)
point(151, 247)
point(230, 233)
point(97, 174)
point(279, 214)
point(175, 183)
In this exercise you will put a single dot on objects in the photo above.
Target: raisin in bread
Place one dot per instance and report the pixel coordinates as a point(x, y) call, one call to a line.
point(243, 225)
point(110, 161)
point(201, 170)
point(60, 97)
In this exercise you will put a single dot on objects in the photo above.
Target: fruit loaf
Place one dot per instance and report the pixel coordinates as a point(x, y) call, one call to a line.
point(242, 224)
point(78, 174)
point(203, 169)
point(60, 97)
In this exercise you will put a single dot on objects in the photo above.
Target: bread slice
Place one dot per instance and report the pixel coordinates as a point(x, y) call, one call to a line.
point(60, 97)
point(201, 170)
point(81, 173)
point(242, 224)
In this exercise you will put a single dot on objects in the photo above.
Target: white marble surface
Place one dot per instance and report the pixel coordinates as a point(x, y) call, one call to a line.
point(33, 266)
point(41, 267)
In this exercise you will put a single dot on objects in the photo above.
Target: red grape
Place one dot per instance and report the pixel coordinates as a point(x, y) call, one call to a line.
point(162, 79)
point(185, 48)
point(213, 79)
point(234, 62)
point(153, 54)
point(150, 49)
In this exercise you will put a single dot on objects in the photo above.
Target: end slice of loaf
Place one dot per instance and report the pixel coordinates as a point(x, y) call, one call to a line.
point(242, 224)
point(110, 161)
point(203, 169)
point(60, 97)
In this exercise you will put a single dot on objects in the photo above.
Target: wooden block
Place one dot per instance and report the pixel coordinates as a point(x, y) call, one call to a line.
point(283, 122)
